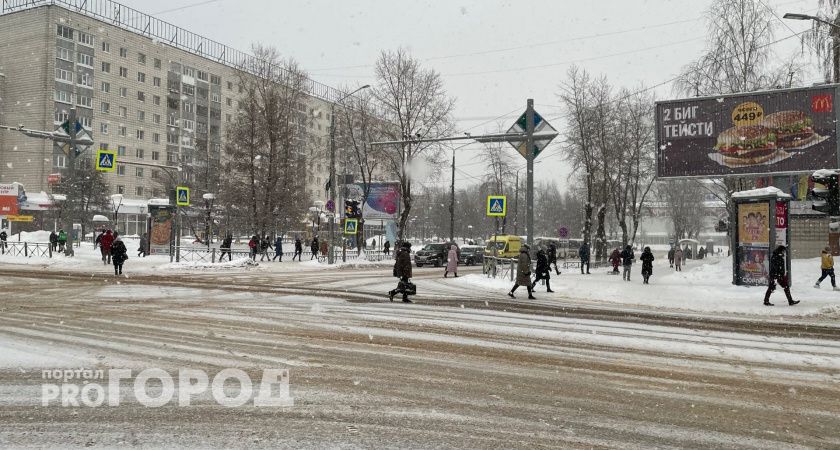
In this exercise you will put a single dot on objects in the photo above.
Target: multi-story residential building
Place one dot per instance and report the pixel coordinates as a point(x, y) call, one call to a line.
point(154, 93)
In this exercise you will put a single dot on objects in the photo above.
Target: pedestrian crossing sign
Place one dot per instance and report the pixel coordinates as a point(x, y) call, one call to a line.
point(351, 226)
point(496, 206)
point(106, 160)
point(182, 196)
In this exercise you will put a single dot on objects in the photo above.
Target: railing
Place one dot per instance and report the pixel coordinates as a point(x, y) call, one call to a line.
point(27, 249)
point(495, 267)
point(194, 253)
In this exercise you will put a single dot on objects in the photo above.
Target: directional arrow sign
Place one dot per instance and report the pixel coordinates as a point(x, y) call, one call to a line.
point(544, 133)
point(106, 160)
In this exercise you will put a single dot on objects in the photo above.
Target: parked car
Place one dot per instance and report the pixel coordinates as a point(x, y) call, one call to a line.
point(471, 255)
point(432, 254)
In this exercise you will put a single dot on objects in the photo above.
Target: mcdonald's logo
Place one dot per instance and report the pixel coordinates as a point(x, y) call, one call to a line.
point(821, 103)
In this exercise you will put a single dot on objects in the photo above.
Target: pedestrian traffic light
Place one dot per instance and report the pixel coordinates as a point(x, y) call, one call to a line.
point(351, 209)
point(827, 198)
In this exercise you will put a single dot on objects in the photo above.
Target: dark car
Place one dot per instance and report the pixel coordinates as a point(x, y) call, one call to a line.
point(432, 254)
point(471, 255)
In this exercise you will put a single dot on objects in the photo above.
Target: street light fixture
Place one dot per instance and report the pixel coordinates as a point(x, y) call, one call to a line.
point(331, 253)
point(116, 202)
point(835, 37)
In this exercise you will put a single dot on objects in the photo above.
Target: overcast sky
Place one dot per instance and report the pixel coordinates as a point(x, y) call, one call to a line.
point(493, 54)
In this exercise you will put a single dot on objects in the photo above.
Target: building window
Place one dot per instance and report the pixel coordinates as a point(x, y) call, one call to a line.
point(155, 155)
point(217, 97)
point(157, 63)
point(86, 79)
point(156, 81)
point(123, 111)
point(141, 77)
point(123, 72)
point(172, 138)
point(171, 157)
point(156, 100)
point(63, 75)
point(121, 150)
point(141, 58)
point(123, 131)
point(59, 161)
point(215, 79)
point(105, 108)
point(189, 71)
point(120, 189)
point(188, 107)
point(103, 128)
point(85, 101)
point(63, 53)
point(121, 169)
point(123, 92)
point(227, 117)
point(105, 87)
point(186, 141)
point(106, 67)
point(139, 172)
point(106, 47)
point(189, 125)
point(141, 116)
point(156, 138)
point(139, 191)
point(86, 39)
point(156, 119)
point(64, 32)
point(103, 146)
point(140, 135)
point(230, 86)
point(188, 90)
point(85, 121)
point(172, 103)
point(63, 97)
point(141, 96)
point(85, 59)
point(229, 102)
point(123, 52)
point(201, 75)
point(172, 120)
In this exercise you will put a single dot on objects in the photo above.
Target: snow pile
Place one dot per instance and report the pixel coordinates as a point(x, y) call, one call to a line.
point(769, 191)
point(31, 236)
point(241, 263)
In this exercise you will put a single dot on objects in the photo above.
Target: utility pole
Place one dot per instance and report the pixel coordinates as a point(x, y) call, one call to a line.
point(71, 174)
point(529, 145)
point(516, 206)
point(452, 202)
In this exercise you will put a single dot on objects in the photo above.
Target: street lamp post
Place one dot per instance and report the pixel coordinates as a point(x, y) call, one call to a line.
point(835, 38)
point(116, 202)
point(331, 252)
point(208, 203)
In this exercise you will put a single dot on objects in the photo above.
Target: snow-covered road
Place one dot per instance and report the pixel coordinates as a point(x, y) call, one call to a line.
point(373, 374)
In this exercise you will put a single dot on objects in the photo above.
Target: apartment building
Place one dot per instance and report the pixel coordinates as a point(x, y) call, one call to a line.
point(156, 94)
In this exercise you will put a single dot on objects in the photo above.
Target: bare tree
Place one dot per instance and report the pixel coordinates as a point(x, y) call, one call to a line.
point(416, 103)
point(499, 169)
point(684, 203)
point(86, 194)
point(824, 38)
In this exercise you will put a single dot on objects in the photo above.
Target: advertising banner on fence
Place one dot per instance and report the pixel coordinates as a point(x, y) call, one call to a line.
point(383, 201)
point(790, 130)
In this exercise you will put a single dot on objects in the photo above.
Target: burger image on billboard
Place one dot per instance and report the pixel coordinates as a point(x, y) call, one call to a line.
point(792, 128)
point(751, 144)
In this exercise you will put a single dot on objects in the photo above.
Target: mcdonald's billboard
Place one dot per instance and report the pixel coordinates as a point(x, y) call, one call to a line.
point(769, 132)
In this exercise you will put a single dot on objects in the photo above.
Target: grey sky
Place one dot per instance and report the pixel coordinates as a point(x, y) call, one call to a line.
point(493, 54)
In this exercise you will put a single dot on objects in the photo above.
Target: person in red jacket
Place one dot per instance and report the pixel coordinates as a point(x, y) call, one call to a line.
point(253, 245)
point(615, 260)
point(105, 246)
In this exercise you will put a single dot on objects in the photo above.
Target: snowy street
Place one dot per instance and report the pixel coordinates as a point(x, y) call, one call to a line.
point(464, 366)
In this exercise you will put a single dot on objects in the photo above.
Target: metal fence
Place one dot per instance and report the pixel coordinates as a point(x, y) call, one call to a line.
point(27, 249)
point(214, 254)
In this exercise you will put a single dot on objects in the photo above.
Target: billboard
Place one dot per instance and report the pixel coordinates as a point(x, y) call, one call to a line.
point(162, 220)
point(791, 131)
point(8, 199)
point(383, 202)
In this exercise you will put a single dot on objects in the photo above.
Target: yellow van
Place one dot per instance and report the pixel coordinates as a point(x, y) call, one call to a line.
point(507, 246)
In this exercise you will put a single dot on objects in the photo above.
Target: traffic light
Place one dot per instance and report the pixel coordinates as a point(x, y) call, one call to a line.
point(351, 209)
point(827, 198)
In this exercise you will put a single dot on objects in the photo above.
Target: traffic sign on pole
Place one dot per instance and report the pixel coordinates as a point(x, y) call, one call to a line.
point(182, 196)
point(351, 226)
point(563, 232)
point(544, 133)
point(106, 160)
point(496, 206)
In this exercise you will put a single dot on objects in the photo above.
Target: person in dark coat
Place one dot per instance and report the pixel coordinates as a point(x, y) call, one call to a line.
point(314, 247)
point(552, 257)
point(298, 249)
point(627, 258)
point(523, 273)
point(54, 241)
point(583, 254)
point(3, 237)
point(543, 270)
point(118, 254)
point(671, 253)
point(144, 242)
point(265, 246)
point(778, 274)
point(278, 248)
point(225, 248)
point(615, 260)
point(402, 270)
point(647, 264)
point(105, 246)
point(386, 248)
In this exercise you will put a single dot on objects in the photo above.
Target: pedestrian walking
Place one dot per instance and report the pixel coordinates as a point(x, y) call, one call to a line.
point(552, 257)
point(54, 241)
point(105, 243)
point(543, 270)
point(583, 254)
point(313, 247)
point(386, 248)
point(627, 258)
point(265, 246)
point(117, 253)
point(225, 248)
point(144, 243)
point(686, 255)
point(402, 270)
point(647, 264)
point(278, 249)
point(253, 247)
point(325, 248)
point(62, 240)
point(523, 273)
point(671, 255)
point(451, 262)
point(3, 237)
point(827, 267)
point(298, 249)
point(778, 274)
point(615, 260)
point(678, 259)
point(373, 243)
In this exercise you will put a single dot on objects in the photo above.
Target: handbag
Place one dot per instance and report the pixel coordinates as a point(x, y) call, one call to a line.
point(407, 288)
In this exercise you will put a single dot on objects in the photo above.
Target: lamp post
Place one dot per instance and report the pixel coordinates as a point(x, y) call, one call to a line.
point(835, 40)
point(331, 253)
point(470, 227)
point(116, 202)
point(208, 203)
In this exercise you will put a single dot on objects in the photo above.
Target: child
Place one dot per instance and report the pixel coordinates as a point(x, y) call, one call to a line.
point(827, 268)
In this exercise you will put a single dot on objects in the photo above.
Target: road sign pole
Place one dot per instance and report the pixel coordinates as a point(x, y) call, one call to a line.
point(529, 152)
point(71, 172)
